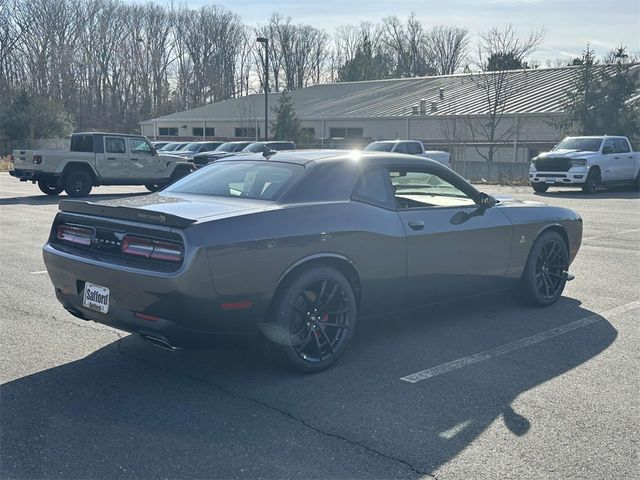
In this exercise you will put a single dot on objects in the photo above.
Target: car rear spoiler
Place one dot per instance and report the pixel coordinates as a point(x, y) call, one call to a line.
point(124, 213)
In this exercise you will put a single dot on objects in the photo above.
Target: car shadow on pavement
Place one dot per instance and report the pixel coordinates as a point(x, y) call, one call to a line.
point(54, 200)
point(132, 410)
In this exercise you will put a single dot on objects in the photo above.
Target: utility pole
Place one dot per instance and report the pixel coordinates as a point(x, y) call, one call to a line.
point(265, 41)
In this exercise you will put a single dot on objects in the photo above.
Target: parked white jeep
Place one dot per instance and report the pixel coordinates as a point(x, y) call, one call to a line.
point(98, 159)
point(411, 147)
point(588, 162)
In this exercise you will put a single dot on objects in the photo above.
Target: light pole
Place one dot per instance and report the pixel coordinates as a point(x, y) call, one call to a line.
point(266, 84)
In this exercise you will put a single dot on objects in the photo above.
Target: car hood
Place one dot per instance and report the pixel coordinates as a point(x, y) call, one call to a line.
point(171, 209)
point(170, 156)
point(566, 153)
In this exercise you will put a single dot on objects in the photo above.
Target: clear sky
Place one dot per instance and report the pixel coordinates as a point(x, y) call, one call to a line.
point(569, 24)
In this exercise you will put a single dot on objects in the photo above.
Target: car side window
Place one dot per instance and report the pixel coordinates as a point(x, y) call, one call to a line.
point(373, 187)
point(114, 145)
point(413, 148)
point(137, 145)
point(621, 145)
point(401, 148)
point(420, 189)
point(608, 146)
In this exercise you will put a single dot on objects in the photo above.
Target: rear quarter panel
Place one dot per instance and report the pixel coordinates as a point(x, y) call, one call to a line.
point(250, 255)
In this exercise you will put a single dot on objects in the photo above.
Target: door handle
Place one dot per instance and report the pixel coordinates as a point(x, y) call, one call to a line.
point(616, 158)
point(133, 159)
point(416, 225)
point(111, 158)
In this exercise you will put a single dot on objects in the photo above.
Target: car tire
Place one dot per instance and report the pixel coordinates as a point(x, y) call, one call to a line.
point(593, 181)
point(50, 188)
point(78, 183)
point(545, 273)
point(539, 187)
point(312, 320)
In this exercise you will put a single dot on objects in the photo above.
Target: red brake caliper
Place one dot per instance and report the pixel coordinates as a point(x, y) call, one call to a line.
point(324, 318)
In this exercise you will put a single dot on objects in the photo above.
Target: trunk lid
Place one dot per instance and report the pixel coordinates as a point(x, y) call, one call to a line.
point(172, 210)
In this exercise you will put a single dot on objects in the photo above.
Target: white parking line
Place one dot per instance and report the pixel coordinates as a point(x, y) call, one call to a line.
point(517, 345)
point(39, 272)
point(623, 232)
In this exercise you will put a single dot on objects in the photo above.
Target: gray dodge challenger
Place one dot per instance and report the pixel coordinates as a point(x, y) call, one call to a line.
point(295, 247)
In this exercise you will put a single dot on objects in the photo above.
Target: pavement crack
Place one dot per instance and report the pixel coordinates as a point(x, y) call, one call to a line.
point(280, 411)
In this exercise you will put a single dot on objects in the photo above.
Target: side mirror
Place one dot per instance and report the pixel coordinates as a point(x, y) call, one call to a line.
point(607, 150)
point(487, 201)
point(154, 151)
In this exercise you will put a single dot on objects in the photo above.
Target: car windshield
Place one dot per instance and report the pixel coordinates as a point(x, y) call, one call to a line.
point(260, 180)
point(228, 147)
point(581, 144)
point(193, 147)
point(256, 147)
point(169, 147)
point(379, 147)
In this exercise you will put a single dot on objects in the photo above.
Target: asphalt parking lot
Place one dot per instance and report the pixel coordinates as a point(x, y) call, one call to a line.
point(502, 391)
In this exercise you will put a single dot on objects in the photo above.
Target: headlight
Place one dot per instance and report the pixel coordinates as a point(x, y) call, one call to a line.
point(533, 162)
point(578, 162)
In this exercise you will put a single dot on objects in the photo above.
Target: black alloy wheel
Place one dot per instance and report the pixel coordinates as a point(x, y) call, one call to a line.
point(318, 311)
point(78, 183)
point(593, 181)
point(539, 187)
point(545, 274)
point(50, 188)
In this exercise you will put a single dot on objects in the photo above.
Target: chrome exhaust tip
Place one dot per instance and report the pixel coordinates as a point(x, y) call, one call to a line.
point(159, 342)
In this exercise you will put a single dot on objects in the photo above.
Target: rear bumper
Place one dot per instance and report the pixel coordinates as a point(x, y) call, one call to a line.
point(33, 175)
point(182, 308)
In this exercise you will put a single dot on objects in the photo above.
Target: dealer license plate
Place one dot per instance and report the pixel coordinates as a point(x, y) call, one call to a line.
point(96, 297)
point(550, 180)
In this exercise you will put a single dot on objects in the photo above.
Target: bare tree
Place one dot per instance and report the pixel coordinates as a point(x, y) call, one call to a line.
point(447, 48)
point(496, 87)
point(407, 46)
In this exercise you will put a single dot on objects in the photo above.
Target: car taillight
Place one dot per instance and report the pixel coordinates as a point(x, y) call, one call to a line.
point(75, 235)
point(37, 159)
point(149, 248)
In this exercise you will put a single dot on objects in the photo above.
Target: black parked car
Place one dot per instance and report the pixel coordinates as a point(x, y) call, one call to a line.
point(250, 147)
point(193, 148)
point(299, 247)
point(223, 150)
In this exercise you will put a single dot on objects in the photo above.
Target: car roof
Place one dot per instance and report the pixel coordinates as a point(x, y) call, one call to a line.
point(108, 133)
point(365, 159)
point(394, 141)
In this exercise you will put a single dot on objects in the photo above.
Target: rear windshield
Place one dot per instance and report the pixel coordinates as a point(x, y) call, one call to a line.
point(261, 180)
point(379, 147)
point(581, 144)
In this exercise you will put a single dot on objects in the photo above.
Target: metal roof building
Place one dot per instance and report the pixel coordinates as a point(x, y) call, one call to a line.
point(439, 110)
